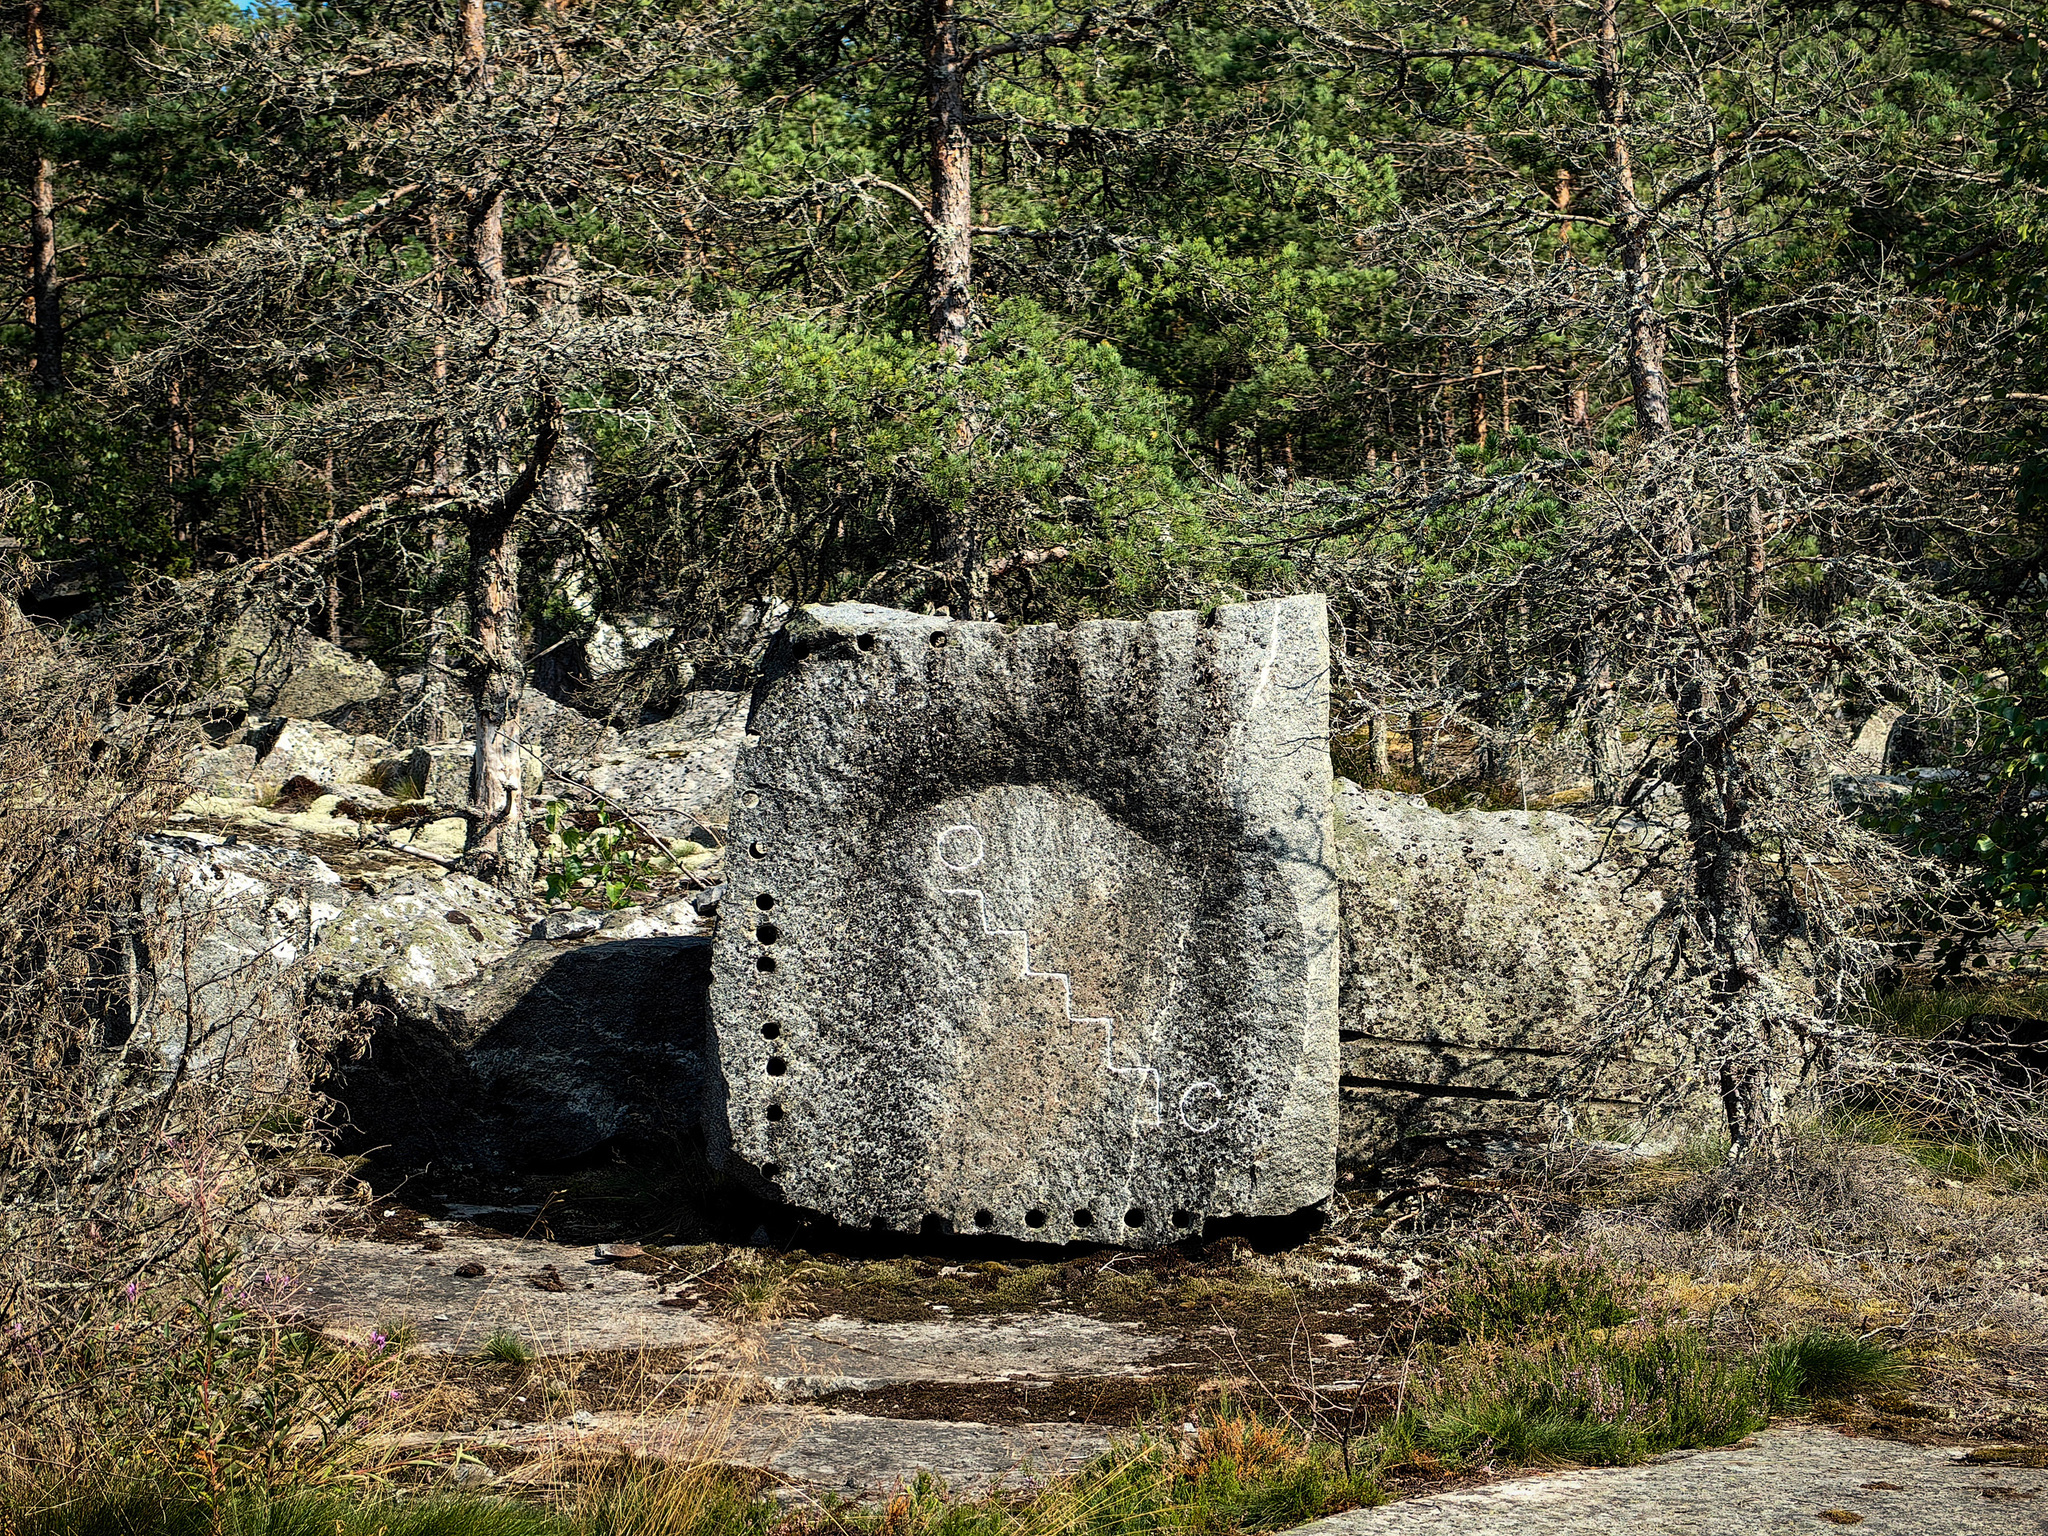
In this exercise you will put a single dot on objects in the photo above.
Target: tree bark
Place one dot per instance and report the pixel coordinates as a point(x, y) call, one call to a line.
point(565, 488)
point(951, 260)
point(45, 309)
point(950, 284)
point(1646, 331)
point(443, 618)
point(498, 849)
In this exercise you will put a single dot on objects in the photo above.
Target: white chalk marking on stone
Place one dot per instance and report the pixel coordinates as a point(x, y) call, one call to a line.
point(1272, 654)
point(1023, 939)
point(980, 850)
point(1186, 1117)
point(1140, 1072)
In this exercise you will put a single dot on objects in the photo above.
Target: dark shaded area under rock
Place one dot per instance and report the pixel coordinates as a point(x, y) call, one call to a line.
point(548, 1059)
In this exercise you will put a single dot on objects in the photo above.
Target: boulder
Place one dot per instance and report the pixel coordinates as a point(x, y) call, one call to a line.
point(310, 749)
point(569, 668)
point(1034, 933)
point(439, 775)
point(224, 922)
point(227, 773)
point(408, 938)
point(1871, 752)
point(613, 647)
point(547, 1056)
point(557, 734)
point(410, 718)
point(1880, 792)
point(1483, 952)
point(676, 775)
point(485, 1050)
point(284, 670)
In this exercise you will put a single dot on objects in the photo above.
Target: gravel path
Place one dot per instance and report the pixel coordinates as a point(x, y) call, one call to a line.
point(1781, 1481)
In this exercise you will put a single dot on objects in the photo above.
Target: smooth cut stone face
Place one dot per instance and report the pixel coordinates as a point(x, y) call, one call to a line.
point(1034, 933)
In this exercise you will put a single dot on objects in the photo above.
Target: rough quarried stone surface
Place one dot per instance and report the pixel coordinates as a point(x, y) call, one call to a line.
point(1482, 952)
point(223, 924)
point(352, 1287)
point(674, 776)
point(284, 670)
point(1034, 933)
point(310, 749)
point(542, 1058)
point(1783, 1482)
point(844, 1354)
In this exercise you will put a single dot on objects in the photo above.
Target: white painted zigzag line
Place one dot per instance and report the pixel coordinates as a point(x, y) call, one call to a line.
point(1067, 993)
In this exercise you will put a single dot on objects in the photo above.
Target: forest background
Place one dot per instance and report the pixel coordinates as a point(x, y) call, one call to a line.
point(1655, 389)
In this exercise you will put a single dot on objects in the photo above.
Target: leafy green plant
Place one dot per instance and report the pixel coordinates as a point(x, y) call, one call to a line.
point(611, 855)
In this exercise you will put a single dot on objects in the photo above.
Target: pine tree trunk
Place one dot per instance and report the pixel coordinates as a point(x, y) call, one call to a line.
point(950, 285)
point(951, 277)
point(1646, 331)
point(498, 850)
point(1382, 761)
point(565, 490)
point(45, 312)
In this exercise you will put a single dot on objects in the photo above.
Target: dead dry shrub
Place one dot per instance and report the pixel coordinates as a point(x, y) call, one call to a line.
point(157, 1061)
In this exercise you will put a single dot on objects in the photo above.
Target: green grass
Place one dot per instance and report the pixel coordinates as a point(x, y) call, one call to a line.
point(146, 1513)
point(1597, 1397)
point(1236, 1474)
point(1827, 1362)
point(1489, 1294)
point(507, 1348)
point(1912, 1013)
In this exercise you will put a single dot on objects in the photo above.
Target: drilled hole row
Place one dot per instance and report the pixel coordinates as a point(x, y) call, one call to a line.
point(803, 648)
point(1136, 1218)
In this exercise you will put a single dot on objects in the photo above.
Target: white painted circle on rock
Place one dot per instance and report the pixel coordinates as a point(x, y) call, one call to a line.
point(1209, 1092)
point(974, 847)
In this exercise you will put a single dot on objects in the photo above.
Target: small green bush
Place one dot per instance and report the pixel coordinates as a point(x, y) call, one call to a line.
point(1826, 1362)
point(1490, 1294)
point(507, 1348)
point(1592, 1396)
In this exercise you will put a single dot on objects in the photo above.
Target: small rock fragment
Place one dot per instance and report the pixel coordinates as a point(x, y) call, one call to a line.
point(567, 925)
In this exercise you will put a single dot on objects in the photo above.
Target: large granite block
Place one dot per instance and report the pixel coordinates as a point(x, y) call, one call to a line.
point(1034, 933)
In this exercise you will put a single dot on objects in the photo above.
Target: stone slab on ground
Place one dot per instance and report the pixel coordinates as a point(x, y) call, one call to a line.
point(843, 1354)
point(811, 1452)
point(1776, 1483)
point(1034, 933)
point(356, 1286)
